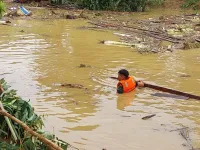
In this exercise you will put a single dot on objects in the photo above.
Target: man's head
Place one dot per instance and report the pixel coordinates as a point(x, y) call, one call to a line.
point(123, 74)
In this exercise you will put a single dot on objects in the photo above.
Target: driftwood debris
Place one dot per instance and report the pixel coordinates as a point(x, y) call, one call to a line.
point(4, 22)
point(148, 117)
point(154, 34)
point(71, 17)
point(84, 66)
point(163, 34)
point(78, 86)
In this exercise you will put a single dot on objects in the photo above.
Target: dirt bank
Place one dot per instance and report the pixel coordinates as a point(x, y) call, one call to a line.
point(43, 10)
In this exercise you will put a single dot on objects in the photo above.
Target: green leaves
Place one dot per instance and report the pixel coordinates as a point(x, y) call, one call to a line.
point(23, 111)
point(6, 146)
point(117, 5)
point(2, 8)
point(191, 4)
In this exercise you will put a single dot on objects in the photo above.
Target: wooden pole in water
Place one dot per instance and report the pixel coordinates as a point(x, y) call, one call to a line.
point(168, 90)
point(171, 91)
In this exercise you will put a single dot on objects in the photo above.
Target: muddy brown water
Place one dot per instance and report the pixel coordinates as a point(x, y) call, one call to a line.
point(49, 52)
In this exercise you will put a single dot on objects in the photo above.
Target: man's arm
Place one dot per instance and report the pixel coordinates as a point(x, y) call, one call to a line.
point(120, 89)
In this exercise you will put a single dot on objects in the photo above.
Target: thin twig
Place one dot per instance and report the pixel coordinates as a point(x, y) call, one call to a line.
point(179, 129)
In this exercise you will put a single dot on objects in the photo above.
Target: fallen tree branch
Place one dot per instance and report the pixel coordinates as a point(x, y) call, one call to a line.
point(124, 26)
point(165, 38)
point(47, 142)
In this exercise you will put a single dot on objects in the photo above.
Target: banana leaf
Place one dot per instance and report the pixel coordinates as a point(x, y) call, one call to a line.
point(22, 110)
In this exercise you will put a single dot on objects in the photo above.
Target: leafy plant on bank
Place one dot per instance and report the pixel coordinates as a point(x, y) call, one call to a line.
point(117, 5)
point(23, 111)
point(155, 2)
point(2, 8)
point(195, 4)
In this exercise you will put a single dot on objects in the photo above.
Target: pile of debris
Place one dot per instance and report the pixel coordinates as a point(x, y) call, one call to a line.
point(17, 11)
point(167, 33)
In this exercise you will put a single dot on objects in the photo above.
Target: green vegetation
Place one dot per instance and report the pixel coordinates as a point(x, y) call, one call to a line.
point(118, 5)
point(23, 111)
point(155, 2)
point(114, 5)
point(2, 8)
point(195, 4)
point(121, 5)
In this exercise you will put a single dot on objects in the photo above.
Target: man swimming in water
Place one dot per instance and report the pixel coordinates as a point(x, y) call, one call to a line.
point(127, 83)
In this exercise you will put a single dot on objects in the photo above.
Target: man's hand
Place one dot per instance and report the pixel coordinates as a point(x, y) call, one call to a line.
point(140, 83)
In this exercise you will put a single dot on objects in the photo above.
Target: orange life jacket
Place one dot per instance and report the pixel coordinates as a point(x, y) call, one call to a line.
point(128, 84)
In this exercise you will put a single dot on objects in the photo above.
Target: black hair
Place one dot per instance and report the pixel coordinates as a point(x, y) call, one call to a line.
point(124, 72)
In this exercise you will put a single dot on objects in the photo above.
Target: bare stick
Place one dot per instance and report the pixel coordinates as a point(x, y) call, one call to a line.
point(148, 117)
point(179, 129)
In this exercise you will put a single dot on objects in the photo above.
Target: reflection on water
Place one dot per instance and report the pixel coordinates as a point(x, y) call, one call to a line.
point(125, 100)
point(49, 52)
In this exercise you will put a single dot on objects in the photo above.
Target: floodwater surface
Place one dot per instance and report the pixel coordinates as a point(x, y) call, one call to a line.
point(34, 61)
